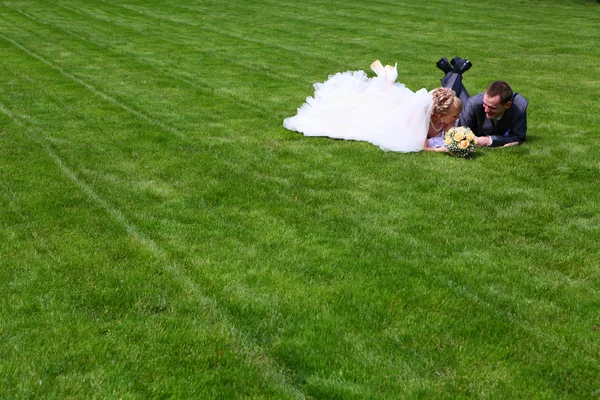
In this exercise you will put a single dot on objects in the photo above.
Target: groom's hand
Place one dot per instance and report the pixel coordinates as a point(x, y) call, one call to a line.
point(484, 141)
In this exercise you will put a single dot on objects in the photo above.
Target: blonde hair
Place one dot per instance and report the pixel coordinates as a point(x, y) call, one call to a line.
point(444, 100)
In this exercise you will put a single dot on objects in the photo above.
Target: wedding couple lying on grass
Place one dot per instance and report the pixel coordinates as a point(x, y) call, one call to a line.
point(352, 106)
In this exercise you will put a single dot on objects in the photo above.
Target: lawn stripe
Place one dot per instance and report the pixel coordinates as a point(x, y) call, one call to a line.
point(271, 29)
point(394, 13)
point(95, 91)
point(255, 65)
point(250, 351)
point(295, 79)
point(212, 90)
point(331, 62)
point(257, 355)
point(111, 211)
point(69, 32)
point(342, 61)
point(204, 85)
point(289, 49)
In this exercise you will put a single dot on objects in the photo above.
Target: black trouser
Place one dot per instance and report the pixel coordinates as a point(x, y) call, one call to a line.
point(453, 81)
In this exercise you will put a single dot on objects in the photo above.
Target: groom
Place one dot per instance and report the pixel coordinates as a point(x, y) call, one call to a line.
point(498, 117)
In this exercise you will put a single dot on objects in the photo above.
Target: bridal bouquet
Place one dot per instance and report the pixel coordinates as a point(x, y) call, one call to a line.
point(460, 141)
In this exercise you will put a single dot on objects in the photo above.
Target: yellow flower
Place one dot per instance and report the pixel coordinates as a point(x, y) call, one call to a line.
point(458, 136)
point(448, 139)
point(469, 136)
point(463, 144)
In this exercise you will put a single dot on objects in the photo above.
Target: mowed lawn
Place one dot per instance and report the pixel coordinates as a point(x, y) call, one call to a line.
point(163, 236)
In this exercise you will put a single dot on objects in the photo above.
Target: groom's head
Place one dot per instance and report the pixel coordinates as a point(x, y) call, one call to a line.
point(497, 99)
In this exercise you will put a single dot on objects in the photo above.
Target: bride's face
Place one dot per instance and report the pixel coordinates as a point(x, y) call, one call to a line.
point(451, 117)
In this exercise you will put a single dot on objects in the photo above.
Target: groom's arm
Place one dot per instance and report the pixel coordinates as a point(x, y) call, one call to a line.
point(517, 131)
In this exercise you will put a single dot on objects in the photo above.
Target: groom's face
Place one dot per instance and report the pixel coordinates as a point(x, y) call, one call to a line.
point(493, 107)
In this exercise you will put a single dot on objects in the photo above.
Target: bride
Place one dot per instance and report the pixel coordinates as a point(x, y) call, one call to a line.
point(351, 106)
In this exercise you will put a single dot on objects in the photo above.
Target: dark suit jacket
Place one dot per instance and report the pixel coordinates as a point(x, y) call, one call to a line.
point(512, 127)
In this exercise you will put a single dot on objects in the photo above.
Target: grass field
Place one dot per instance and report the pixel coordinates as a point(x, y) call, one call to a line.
point(163, 236)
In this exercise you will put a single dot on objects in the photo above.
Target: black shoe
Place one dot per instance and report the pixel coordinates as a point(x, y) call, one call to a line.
point(466, 65)
point(444, 65)
point(460, 65)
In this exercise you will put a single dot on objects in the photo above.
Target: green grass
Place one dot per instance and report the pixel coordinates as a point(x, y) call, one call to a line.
point(162, 235)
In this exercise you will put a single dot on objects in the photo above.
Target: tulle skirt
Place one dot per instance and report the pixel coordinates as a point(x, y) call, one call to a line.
point(352, 106)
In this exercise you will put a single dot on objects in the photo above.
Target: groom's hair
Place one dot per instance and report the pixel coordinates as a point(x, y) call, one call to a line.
point(502, 89)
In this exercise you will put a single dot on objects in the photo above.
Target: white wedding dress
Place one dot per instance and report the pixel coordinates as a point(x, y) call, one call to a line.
point(352, 106)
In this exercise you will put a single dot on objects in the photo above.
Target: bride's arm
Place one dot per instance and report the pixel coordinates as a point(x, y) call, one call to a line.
point(436, 149)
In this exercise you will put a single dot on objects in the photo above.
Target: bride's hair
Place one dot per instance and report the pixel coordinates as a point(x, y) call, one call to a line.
point(444, 99)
